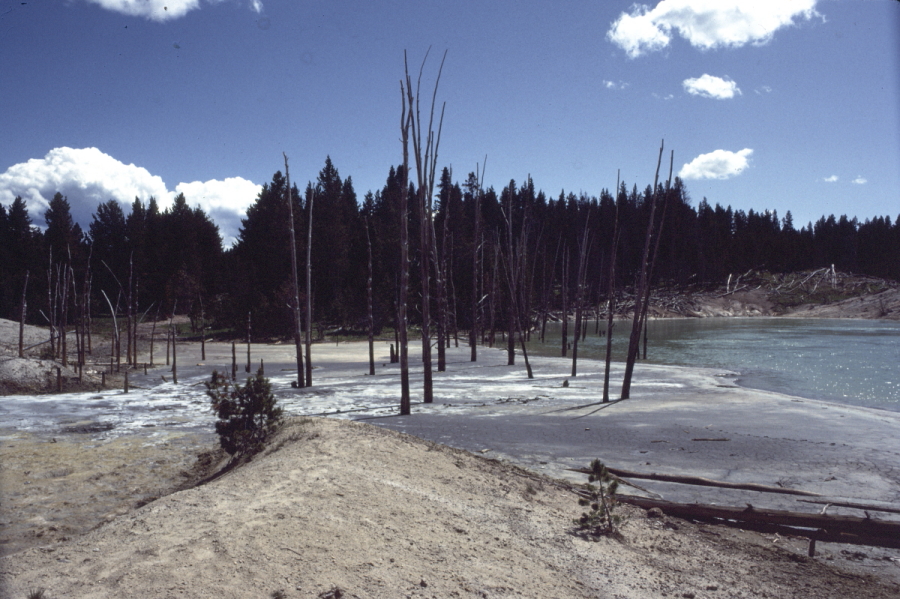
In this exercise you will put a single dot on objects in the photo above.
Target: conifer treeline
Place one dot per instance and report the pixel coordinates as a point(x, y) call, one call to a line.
point(174, 257)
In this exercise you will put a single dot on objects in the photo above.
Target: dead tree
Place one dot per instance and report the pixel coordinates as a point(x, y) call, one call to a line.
point(611, 295)
point(24, 307)
point(579, 294)
point(565, 302)
point(642, 283)
point(298, 345)
point(476, 276)
point(309, 215)
point(425, 154)
point(369, 305)
point(515, 267)
point(662, 220)
point(247, 366)
point(403, 342)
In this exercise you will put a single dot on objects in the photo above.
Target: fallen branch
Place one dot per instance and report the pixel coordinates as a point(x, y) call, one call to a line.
point(703, 482)
point(816, 527)
point(857, 506)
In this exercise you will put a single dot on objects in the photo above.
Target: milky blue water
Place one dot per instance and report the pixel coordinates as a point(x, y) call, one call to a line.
point(843, 360)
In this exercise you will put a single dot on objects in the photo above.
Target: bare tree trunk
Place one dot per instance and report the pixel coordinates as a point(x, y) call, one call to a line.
point(369, 306)
point(247, 367)
point(89, 283)
point(115, 327)
point(50, 304)
point(611, 295)
point(643, 283)
point(426, 161)
point(493, 306)
point(153, 334)
point(565, 303)
point(440, 263)
point(298, 345)
point(579, 296)
point(662, 221)
point(403, 343)
point(24, 307)
point(309, 209)
point(130, 310)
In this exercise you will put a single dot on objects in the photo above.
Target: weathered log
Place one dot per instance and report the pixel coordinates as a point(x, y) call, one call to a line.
point(821, 527)
point(703, 482)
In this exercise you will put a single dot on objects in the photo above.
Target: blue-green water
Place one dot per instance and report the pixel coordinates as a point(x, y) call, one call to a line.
point(849, 361)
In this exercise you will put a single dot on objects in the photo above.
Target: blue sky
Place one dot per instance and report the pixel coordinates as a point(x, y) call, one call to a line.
point(794, 106)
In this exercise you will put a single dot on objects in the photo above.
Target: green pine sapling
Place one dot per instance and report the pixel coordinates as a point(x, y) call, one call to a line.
point(602, 501)
point(247, 414)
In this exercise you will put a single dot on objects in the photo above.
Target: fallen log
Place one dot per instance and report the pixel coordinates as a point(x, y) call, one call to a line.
point(816, 527)
point(703, 482)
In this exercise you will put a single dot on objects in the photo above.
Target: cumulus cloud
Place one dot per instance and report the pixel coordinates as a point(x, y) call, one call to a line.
point(88, 177)
point(159, 10)
point(720, 164)
point(860, 181)
point(709, 86)
point(831, 179)
point(705, 24)
point(614, 84)
point(763, 89)
point(224, 201)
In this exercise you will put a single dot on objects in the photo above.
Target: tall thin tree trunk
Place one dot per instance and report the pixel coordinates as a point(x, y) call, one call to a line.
point(309, 208)
point(611, 295)
point(405, 118)
point(129, 311)
point(24, 308)
point(247, 367)
point(298, 345)
point(643, 283)
point(426, 161)
point(369, 305)
point(565, 303)
point(512, 315)
point(579, 296)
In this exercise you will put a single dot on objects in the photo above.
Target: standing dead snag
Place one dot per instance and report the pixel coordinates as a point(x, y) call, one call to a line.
point(309, 208)
point(403, 342)
point(643, 283)
point(369, 302)
point(611, 295)
point(24, 307)
point(515, 269)
point(300, 382)
point(476, 276)
point(425, 154)
point(579, 295)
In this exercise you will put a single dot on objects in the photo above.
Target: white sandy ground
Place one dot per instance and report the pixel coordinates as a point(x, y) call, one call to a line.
point(336, 504)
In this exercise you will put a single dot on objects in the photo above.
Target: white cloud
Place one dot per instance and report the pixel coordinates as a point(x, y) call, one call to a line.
point(720, 164)
point(615, 84)
point(763, 89)
point(225, 202)
point(160, 10)
point(709, 86)
point(705, 24)
point(831, 179)
point(155, 10)
point(88, 177)
point(860, 181)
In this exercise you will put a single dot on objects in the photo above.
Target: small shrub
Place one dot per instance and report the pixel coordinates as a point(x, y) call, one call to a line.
point(602, 501)
point(37, 593)
point(247, 414)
